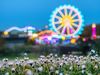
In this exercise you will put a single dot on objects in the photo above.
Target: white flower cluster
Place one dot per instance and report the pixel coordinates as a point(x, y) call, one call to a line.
point(52, 65)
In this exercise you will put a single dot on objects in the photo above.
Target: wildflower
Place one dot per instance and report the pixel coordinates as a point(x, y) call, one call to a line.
point(89, 74)
point(13, 70)
point(57, 72)
point(28, 72)
point(83, 71)
point(40, 69)
point(70, 68)
point(83, 66)
point(7, 73)
point(61, 74)
point(26, 58)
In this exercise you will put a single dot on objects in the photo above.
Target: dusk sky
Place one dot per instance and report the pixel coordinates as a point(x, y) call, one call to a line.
point(37, 13)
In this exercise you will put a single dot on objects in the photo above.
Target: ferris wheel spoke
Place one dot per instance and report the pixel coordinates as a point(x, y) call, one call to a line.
point(70, 13)
point(74, 15)
point(68, 30)
point(65, 11)
point(57, 22)
point(76, 20)
point(59, 27)
point(75, 25)
point(63, 30)
point(58, 17)
point(60, 12)
point(72, 28)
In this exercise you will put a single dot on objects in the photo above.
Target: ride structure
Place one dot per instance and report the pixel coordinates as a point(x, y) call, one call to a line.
point(67, 21)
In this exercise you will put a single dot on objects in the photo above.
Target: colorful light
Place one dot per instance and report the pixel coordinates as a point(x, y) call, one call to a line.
point(94, 31)
point(34, 35)
point(84, 39)
point(5, 33)
point(93, 25)
point(73, 41)
point(49, 38)
point(67, 20)
point(63, 38)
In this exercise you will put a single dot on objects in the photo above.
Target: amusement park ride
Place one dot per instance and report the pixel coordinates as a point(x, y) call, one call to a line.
point(66, 23)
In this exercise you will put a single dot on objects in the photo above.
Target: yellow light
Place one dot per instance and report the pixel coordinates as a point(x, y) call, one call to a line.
point(35, 35)
point(5, 33)
point(63, 38)
point(93, 25)
point(73, 41)
point(66, 19)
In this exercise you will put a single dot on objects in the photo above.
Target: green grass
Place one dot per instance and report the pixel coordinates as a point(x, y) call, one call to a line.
point(13, 56)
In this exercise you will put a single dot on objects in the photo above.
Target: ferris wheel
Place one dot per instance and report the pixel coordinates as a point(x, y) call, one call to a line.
point(67, 20)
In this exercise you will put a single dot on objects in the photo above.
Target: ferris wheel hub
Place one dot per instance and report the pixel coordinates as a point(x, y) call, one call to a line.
point(66, 20)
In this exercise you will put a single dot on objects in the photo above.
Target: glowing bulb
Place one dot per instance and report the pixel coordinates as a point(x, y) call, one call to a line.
point(73, 41)
point(84, 39)
point(5, 33)
point(63, 38)
point(49, 38)
point(34, 35)
point(93, 25)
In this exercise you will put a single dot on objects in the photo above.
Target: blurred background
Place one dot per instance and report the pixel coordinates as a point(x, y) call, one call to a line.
point(23, 23)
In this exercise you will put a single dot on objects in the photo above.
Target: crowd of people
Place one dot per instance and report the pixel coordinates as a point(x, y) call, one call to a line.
point(52, 65)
